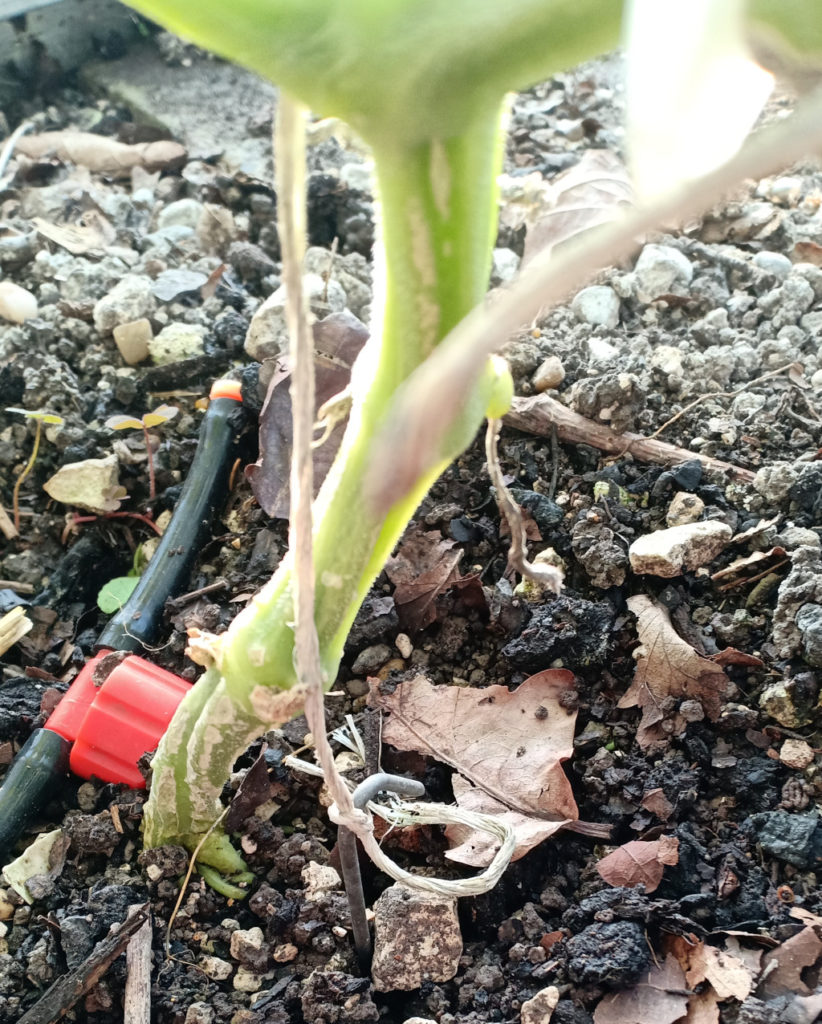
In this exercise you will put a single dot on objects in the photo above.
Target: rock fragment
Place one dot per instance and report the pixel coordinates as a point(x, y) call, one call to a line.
point(597, 305)
point(267, 335)
point(16, 304)
point(177, 341)
point(679, 548)
point(549, 374)
point(130, 299)
point(92, 485)
point(661, 270)
point(796, 754)
point(132, 340)
point(417, 938)
point(684, 508)
point(540, 1008)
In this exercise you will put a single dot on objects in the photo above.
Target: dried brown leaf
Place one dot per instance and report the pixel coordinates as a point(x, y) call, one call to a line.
point(424, 566)
point(337, 341)
point(658, 998)
point(91, 235)
point(703, 1008)
point(657, 803)
point(102, 154)
point(668, 669)
point(729, 977)
point(639, 862)
point(731, 656)
point(791, 958)
point(593, 192)
point(507, 745)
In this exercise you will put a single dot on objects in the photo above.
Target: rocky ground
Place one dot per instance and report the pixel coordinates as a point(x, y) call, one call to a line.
point(691, 658)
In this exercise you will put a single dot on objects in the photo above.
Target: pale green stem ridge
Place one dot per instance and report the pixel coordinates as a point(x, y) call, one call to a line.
point(438, 206)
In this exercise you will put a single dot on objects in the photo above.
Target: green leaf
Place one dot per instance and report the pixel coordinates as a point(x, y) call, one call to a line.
point(115, 593)
point(396, 70)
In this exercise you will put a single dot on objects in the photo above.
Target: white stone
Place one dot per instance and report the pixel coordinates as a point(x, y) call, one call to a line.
point(786, 190)
point(181, 213)
point(679, 548)
point(215, 968)
point(404, 645)
point(132, 340)
point(417, 938)
point(130, 299)
point(504, 264)
point(597, 305)
point(247, 981)
point(602, 351)
point(16, 304)
point(667, 359)
point(773, 263)
point(91, 484)
point(816, 379)
point(318, 879)
point(660, 270)
point(177, 341)
point(775, 481)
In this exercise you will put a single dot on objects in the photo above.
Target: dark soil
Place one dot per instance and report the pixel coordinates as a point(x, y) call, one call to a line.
point(749, 841)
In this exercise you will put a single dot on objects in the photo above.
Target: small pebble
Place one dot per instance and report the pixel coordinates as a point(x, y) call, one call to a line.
point(370, 659)
point(549, 374)
point(199, 1013)
point(16, 304)
point(417, 938)
point(215, 968)
point(796, 754)
point(247, 981)
point(597, 305)
point(285, 953)
point(679, 548)
point(786, 190)
point(684, 508)
point(404, 645)
point(540, 1008)
point(132, 340)
point(773, 262)
point(668, 359)
point(660, 270)
point(176, 342)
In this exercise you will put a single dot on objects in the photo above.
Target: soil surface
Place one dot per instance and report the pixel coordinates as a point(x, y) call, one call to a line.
point(727, 311)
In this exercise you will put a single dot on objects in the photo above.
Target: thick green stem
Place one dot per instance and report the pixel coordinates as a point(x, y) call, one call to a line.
point(438, 207)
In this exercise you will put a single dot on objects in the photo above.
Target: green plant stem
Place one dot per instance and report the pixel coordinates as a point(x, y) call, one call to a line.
point(438, 204)
point(26, 470)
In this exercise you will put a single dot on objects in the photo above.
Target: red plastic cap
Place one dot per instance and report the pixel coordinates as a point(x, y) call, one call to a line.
point(127, 717)
point(226, 389)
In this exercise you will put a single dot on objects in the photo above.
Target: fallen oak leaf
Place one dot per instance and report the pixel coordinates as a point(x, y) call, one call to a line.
point(424, 566)
point(639, 862)
point(508, 745)
point(782, 967)
point(668, 669)
point(659, 997)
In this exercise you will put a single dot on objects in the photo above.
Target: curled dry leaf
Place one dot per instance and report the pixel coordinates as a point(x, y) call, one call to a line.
point(593, 192)
point(101, 154)
point(508, 748)
point(659, 997)
point(338, 340)
point(639, 862)
point(667, 670)
point(424, 566)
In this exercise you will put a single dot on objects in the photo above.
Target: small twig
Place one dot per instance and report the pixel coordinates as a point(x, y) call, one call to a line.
point(15, 497)
point(541, 414)
point(66, 991)
point(152, 485)
point(19, 588)
point(137, 995)
point(7, 527)
point(547, 575)
point(179, 602)
point(552, 488)
point(11, 142)
point(350, 863)
point(719, 394)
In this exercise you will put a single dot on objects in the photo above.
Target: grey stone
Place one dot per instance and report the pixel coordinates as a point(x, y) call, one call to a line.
point(417, 938)
point(175, 282)
point(793, 537)
point(684, 508)
point(504, 265)
point(130, 299)
point(199, 1013)
point(809, 622)
point(774, 481)
point(371, 659)
point(267, 335)
point(773, 263)
point(597, 305)
point(792, 838)
point(679, 548)
point(660, 270)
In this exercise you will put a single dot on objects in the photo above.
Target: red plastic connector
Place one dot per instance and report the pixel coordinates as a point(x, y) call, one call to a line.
point(113, 725)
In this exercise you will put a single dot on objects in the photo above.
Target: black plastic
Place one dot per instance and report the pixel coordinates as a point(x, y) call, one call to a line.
point(135, 625)
point(30, 783)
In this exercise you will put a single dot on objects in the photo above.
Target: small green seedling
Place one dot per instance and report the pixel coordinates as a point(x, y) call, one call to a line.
point(162, 414)
point(40, 418)
point(114, 594)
